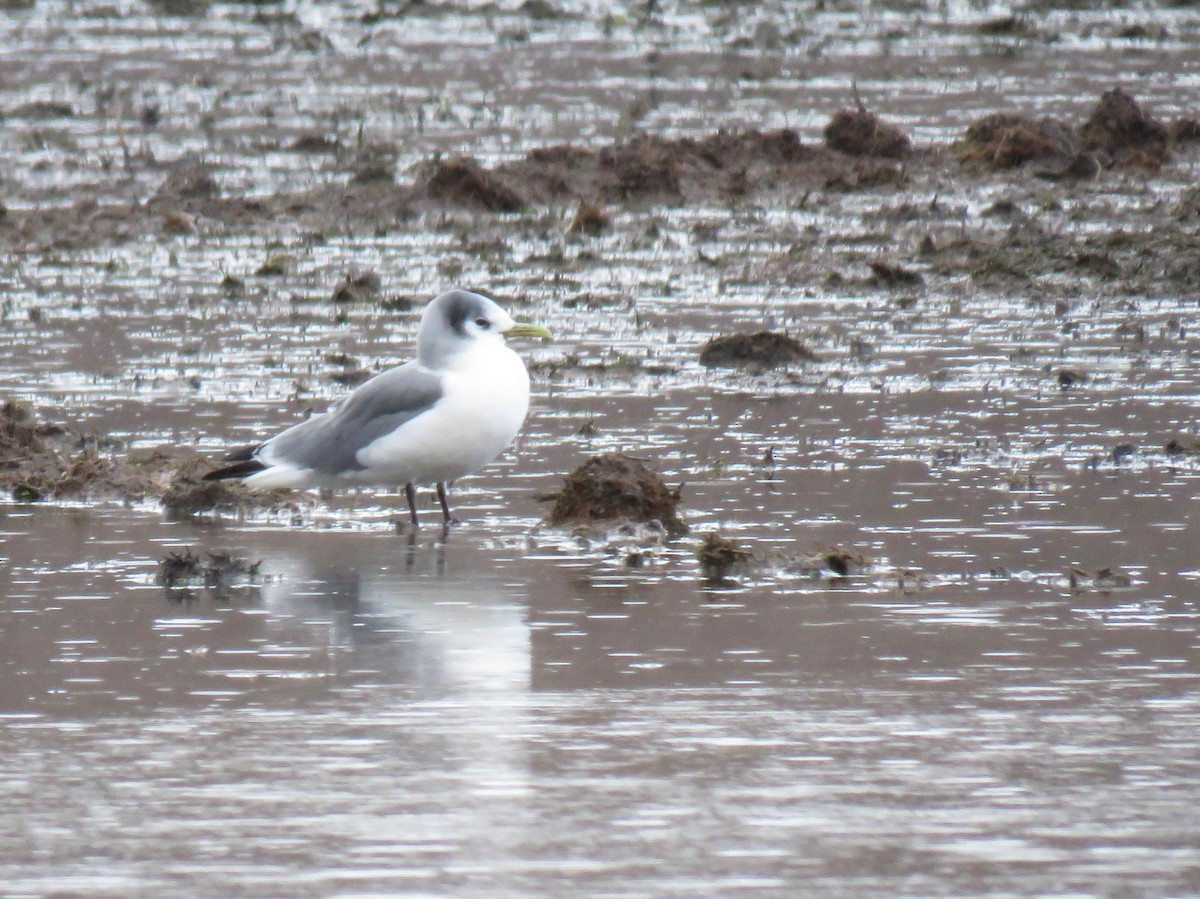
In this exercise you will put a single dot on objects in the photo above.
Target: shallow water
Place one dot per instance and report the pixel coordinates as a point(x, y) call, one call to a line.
point(480, 716)
point(512, 710)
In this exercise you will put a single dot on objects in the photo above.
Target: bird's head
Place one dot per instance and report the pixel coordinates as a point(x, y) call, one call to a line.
point(460, 320)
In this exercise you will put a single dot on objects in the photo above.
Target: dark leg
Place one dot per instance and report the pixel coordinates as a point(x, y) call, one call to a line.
point(410, 493)
point(410, 549)
point(441, 490)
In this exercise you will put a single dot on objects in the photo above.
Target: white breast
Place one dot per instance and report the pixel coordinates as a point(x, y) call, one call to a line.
point(483, 404)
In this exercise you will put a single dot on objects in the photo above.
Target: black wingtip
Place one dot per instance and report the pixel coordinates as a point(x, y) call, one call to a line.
point(240, 470)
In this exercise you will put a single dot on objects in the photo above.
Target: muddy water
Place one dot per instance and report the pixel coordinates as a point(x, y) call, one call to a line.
point(514, 710)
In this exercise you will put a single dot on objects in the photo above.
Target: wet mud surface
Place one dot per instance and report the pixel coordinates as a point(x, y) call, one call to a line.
point(895, 309)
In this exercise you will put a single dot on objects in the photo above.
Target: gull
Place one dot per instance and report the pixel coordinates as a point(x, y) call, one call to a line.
point(443, 415)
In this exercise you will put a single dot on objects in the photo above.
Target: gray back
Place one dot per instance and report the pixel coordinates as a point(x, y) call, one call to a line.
point(329, 443)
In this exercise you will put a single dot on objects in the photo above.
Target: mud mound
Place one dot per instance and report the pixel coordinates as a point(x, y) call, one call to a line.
point(83, 474)
point(1120, 128)
point(589, 219)
point(35, 458)
point(359, 285)
point(1182, 445)
point(1184, 131)
point(720, 557)
point(1004, 140)
point(464, 182)
point(891, 274)
point(43, 461)
point(862, 133)
point(759, 352)
point(1118, 132)
point(616, 486)
point(644, 167)
point(653, 167)
point(193, 181)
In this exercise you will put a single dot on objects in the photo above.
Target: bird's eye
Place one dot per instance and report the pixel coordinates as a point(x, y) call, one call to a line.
point(483, 323)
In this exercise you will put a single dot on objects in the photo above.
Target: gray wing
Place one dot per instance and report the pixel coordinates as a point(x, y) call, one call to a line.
point(329, 443)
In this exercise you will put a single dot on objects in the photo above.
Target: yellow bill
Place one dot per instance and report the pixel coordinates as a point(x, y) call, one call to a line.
point(521, 329)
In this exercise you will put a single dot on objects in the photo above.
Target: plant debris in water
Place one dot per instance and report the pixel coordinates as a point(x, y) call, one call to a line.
point(1182, 445)
point(759, 352)
point(720, 557)
point(840, 561)
point(616, 486)
point(1102, 580)
point(219, 575)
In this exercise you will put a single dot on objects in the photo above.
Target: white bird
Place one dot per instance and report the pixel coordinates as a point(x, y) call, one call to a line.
point(446, 414)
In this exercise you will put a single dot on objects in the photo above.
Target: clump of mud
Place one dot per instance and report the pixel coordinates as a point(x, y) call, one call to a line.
point(589, 219)
point(20, 434)
point(1005, 140)
point(720, 557)
point(315, 142)
point(1117, 133)
point(41, 109)
point(463, 181)
point(757, 352)
point(860, 132)
point(276, 266)
point(1182, 445)
point(192, 181)
point(616, 487)
point(1184, 130)
point(359, 285)
point(44, 461)
point(1070, 377)
point(350, 373)
point(891, 274)
point(188, 494)
point(1121, 130)
point(41, 461)
point(654, 167)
